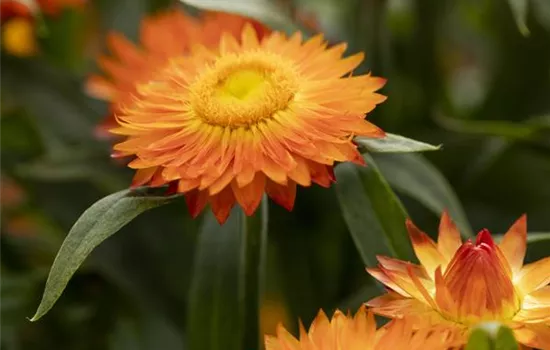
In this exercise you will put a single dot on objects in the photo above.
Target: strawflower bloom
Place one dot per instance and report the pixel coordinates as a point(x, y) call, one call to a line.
point(253, 115)
point(459, 285)
point(359, 333)
point(163, 37)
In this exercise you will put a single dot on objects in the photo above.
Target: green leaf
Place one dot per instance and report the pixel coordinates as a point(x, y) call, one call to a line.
point(374, 215)
point(19, 137)
point(519, 9)
point(541, 10)
point(64, 38)
point(507, 129)
point(355, 300)
point(392, 143)
point(415, 176)
point(265, 11)
point(96, 224)
point(227, 283)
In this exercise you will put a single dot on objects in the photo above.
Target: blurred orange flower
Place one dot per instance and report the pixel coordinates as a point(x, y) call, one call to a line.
point(163, 37)
point(462, 284)
point(18, 22)
point(256, 114)
point(359, 333)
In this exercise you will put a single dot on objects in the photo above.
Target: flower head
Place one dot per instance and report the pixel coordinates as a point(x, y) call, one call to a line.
point(462, 284)
point(252, 115)
point(359, 333)
point(163, 37)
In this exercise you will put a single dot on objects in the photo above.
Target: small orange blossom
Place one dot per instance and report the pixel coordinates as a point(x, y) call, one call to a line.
point(462, 284)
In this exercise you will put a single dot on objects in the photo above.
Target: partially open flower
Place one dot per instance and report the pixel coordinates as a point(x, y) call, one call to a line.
point(462, 284)
point(359, 333)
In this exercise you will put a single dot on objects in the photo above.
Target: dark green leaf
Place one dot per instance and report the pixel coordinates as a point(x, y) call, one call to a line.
point(507, 129)
point(372, 211)
point(19, 137)
point(519, 9)
point(264, 11)
point(392, 143)
point(64, 37)
point(541, 10)
point(227, 283)
point(96, 224)
point(361, 296)
point(415, 176)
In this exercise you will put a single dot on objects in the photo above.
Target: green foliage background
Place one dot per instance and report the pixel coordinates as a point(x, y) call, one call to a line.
point(460, 74)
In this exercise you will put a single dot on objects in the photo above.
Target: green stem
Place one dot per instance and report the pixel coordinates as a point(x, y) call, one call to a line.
point(253, 262)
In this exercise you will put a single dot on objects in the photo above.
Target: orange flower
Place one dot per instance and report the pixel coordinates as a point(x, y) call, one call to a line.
point(163, 37)
point(359, 333)
point(462, 284)
point(253, 115)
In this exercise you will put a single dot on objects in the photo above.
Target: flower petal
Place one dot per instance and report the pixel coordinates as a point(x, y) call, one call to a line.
point(449, 239)
point(514, 244)
point(425, 249)
point(534, 276)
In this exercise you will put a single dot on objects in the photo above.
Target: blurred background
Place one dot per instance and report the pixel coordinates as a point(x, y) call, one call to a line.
point(472, 75)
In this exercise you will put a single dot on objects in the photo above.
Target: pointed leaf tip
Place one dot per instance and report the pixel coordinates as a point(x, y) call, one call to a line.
point(96, 224)
point(392, 143)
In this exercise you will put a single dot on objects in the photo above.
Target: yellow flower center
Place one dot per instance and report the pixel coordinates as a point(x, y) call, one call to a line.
point(241, 90)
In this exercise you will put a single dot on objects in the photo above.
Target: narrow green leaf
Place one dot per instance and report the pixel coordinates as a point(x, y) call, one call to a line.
point(536, 237)
point(415, 176)
point(519, 9)
point(510, 130)
point(392, 143)
point(97, 223)
point(265, 11)
point(227, 283)
point(373, 213)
